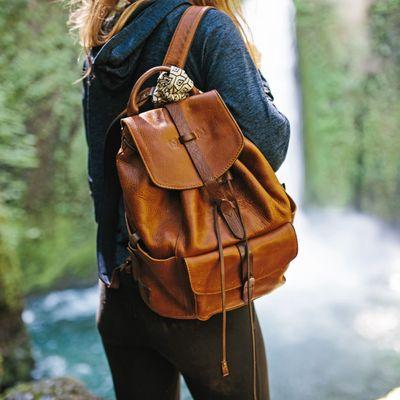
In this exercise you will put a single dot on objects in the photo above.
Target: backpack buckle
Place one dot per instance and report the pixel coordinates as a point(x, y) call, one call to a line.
point(134, 239)
point(250, 283)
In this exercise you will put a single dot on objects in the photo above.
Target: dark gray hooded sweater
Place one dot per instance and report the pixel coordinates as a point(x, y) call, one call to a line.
point(218, 59)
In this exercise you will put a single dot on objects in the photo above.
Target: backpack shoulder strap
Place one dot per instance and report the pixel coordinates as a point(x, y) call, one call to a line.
point(181, 41)
point(179, 45)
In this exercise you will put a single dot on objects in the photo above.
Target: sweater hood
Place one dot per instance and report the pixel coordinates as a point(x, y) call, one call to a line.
point(118, 57)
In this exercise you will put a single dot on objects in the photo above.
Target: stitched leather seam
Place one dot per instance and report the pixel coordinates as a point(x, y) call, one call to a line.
point(259, 279)
point(292, 256)
point(164, 185)
point(157, 311)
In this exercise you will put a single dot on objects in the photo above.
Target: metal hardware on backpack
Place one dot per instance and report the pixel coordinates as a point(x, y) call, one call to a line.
point(210, 225)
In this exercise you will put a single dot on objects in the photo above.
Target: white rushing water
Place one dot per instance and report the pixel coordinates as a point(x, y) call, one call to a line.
point(332, 331)
point(272, 24)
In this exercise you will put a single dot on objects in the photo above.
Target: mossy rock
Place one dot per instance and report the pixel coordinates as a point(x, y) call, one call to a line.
point(16, 360)
point(49, 389)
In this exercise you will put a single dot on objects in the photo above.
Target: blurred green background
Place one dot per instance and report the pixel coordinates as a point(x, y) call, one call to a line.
point(349, 73)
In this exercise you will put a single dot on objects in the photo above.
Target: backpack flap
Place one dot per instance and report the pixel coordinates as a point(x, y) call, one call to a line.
point(165, 157)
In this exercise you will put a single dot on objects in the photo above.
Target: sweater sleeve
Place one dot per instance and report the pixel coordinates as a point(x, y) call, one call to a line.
point(228, 67)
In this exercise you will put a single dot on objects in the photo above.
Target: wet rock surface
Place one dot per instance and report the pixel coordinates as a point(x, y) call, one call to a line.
point(49, 389)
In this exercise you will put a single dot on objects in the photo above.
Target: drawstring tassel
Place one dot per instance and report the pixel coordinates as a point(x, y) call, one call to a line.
point(224, 362)
point(224, 368)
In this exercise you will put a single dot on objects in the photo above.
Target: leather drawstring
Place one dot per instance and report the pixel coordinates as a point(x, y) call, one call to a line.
point(250, 284)
point(224, 362)
point(250, 280)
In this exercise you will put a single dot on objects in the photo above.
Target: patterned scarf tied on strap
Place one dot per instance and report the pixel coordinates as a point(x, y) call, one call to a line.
point(172, 86)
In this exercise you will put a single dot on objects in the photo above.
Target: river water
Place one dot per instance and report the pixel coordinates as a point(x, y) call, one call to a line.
point(332, 332)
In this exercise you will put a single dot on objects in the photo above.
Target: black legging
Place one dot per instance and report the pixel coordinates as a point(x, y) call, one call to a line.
point(146, 352)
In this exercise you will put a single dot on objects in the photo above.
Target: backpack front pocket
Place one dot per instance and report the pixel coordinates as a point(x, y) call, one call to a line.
point(271, 253)
point(164, 285)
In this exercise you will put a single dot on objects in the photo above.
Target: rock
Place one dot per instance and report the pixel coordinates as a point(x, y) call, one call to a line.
point(49, 389)
point(16, 360)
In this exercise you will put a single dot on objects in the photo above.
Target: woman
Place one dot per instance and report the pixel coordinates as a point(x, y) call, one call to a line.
point(122, 40)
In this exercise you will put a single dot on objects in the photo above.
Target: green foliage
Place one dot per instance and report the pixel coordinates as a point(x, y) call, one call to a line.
point(385, 29)
point(382, 123)
point(329, 103)
point(43, 180)
point(351, 108)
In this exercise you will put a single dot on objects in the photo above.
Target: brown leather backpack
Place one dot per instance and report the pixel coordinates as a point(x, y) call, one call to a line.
point(210, 225)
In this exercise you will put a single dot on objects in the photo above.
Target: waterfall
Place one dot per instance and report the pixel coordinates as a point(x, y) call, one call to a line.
point(272, 23)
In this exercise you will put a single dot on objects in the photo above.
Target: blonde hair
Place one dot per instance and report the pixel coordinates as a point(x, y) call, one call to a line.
point(97, 21)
